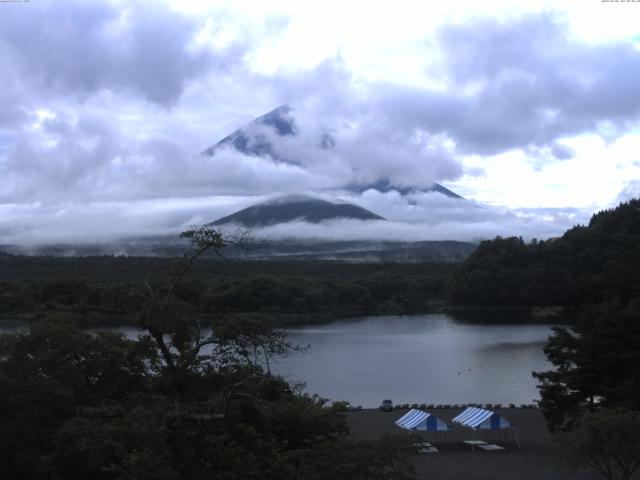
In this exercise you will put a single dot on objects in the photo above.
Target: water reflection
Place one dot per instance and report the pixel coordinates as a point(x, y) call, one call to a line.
point(423, 359)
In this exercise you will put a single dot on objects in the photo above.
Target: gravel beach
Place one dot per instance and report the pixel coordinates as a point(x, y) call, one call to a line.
point(456, 461)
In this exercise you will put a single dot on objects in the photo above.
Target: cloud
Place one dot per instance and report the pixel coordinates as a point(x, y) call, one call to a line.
point(361, 149)
point(86, 159)
point(562, 152)
point(630, 191)
point(427, 216)
point(106, 104)
point(107, 221)
point(471, 228)
point(515, 85)
point(84, 47)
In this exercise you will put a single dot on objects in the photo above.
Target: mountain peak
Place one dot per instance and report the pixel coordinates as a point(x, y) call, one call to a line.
point(249, 143)
point(254, 140)
point(292, 198)
point(385, 185)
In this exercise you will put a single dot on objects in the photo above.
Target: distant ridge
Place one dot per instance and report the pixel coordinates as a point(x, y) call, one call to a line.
point(385, 185)
point(297, 207)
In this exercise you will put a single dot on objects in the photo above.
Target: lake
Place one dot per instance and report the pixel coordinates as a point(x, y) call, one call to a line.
point(419, 359)
point(414, 359)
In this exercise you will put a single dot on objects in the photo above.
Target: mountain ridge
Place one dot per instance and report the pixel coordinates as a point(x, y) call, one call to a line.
point(289, 208)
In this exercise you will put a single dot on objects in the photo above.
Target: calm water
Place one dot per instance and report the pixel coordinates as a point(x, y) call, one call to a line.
point(423, 359)
point(415, 359)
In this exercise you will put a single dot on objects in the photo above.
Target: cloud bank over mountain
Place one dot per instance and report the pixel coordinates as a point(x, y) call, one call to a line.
point(107, 104)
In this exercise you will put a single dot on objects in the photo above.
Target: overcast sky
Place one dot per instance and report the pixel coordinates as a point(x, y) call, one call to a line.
point(530, 110)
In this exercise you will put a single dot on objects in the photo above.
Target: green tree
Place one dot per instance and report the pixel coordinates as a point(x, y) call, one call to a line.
point(344, 459)
point(595, 365)
point(47, 374)
point(607, 441)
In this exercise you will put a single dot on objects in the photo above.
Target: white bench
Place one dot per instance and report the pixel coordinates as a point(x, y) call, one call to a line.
point(425, 447)
point(474, 443)
point(491, 447)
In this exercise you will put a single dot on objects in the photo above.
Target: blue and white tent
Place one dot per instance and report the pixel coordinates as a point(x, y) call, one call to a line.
point(419, 420)
point(481, 419)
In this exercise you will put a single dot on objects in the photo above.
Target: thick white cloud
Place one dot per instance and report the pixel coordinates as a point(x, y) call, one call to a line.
point(79, 48)
point(520, 84)
point(630, 191)
point(106, 105)
point(421, 217)
point(463, 226)
point(360, 148)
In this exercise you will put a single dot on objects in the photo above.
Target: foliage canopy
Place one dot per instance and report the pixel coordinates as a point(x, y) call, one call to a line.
point(178, 402)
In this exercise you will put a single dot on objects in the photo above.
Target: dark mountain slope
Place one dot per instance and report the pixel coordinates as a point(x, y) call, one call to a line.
point(287, 209)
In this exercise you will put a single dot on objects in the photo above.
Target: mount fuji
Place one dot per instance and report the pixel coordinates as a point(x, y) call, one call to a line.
point(255, 139)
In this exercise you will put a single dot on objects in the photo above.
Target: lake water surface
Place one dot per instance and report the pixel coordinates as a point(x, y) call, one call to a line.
point(414, 359)
point(419, 359)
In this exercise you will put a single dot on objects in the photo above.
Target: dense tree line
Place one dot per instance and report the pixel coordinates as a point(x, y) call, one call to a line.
point(591, 398)
point(588, 264)
point(96, 288)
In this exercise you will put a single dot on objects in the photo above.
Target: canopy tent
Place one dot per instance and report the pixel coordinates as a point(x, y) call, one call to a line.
point(419, 420)
point(481, 419)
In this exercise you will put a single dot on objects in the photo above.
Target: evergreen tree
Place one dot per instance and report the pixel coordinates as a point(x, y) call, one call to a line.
point(596, 364)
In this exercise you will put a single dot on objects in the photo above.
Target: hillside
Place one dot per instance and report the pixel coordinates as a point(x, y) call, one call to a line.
point(288, 209)
point(588, 264)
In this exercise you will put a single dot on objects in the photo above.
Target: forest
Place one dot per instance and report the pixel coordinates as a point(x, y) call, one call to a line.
point(96, 289)
point(588, 264)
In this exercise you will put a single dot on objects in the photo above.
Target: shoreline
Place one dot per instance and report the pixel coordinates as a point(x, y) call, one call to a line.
point(398, 407)
point(480, 315)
